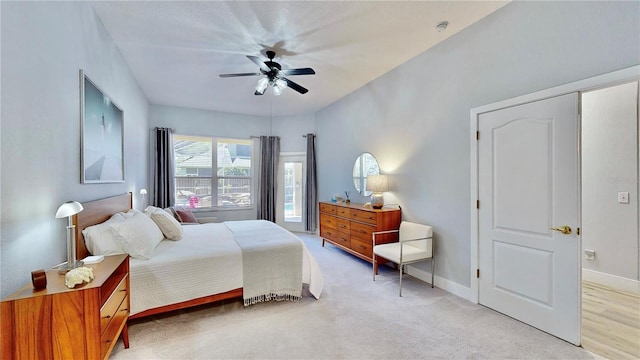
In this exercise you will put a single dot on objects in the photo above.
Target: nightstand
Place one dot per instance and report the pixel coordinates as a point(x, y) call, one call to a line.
point(62, 323)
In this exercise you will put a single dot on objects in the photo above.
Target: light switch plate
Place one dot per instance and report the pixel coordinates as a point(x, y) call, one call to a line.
point(623, 197)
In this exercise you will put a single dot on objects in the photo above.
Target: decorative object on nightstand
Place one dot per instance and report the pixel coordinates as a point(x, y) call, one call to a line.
point(67, 210)
point(143, 192)
point(377, 184)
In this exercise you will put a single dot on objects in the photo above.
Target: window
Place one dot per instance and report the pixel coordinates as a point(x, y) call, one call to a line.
point(198, 186)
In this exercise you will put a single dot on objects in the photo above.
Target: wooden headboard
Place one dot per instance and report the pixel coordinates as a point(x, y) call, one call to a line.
point(96, 212)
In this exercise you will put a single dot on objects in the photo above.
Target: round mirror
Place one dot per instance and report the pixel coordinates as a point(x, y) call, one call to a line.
point(366, 164)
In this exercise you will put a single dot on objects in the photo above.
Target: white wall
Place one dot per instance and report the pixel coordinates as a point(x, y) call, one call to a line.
point(44, 44)
point(609, 166)
point(415, 119)
point(211, 123)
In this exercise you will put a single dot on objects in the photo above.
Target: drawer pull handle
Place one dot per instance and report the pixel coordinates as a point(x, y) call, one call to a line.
point(124, 290)
point(125, 310)
point(107, 341)
point(108, 317)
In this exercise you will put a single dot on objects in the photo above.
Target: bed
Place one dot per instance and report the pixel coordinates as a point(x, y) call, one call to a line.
point(212, 262)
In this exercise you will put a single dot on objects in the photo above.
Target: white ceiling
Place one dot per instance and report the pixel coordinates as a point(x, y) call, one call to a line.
point(177, 49)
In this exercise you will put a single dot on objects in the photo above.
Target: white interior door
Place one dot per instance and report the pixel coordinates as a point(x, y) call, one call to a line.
point(291, 188)
point(528, 183)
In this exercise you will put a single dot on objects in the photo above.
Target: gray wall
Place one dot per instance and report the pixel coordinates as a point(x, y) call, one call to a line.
point(610, 165)
point(415, 119)
point(44, 45)
point(211, 123)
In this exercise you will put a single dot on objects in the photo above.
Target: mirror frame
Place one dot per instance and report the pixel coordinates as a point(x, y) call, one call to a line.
point(360, 177)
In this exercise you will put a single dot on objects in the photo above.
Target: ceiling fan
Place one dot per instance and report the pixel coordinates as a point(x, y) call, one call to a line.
point(275, 76)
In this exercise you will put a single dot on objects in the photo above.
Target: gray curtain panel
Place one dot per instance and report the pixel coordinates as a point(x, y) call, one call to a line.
point(163, 172)
point(311, 212)
point(270, 152)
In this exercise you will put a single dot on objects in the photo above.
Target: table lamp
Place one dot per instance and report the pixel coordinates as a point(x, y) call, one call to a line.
point(378, 184)
point(67, 210)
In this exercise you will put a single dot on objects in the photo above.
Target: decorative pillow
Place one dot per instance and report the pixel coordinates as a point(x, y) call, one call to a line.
point(169, 226)
point(185, 215)
point(138, 235)
point(100, 240)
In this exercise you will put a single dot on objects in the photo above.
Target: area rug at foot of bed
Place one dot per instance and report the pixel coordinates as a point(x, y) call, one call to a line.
point(271, 261)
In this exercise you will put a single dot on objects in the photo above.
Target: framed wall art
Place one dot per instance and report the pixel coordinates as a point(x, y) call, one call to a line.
point(102, 139)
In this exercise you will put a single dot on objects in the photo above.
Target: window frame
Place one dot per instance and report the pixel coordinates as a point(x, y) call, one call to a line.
point(215, 178)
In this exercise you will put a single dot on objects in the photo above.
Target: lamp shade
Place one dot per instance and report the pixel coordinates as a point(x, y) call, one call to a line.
point(377, 183)
point(143, 191)
point(69, 208)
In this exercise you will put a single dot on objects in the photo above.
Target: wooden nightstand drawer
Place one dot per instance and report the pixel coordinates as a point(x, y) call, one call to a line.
point(108, 311)
point(366, 216)
point(327, 208)
point(109, 336)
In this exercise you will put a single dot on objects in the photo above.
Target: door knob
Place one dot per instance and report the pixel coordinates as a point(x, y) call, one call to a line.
point(563, 229)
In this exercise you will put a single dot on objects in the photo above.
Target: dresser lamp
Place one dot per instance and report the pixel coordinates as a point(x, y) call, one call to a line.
point(378, 184)
point(67, 210)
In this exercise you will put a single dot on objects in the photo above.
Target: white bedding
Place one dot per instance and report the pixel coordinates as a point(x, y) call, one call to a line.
point(206, 261)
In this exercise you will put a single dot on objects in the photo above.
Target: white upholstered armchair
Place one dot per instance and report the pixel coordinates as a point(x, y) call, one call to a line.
point(415, 244)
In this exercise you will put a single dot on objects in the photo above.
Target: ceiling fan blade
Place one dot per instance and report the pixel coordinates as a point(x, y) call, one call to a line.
point(239, 74)
point(295, 86)
point(301, 71)
point(256, 60)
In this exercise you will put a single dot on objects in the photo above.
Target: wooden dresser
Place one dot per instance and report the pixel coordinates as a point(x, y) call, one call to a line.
point(62, 323)
point(349, 227)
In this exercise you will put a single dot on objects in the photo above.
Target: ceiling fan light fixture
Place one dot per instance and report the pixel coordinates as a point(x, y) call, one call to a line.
point(262, 85)
point(278, 85)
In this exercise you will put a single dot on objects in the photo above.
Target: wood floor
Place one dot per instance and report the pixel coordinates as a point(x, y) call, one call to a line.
point(610, 322)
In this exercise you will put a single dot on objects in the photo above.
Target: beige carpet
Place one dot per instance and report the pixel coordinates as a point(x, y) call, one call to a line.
point(355, 318)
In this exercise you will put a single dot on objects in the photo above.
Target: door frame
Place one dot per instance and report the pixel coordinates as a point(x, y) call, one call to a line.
point(605, 80)
point(280, 196)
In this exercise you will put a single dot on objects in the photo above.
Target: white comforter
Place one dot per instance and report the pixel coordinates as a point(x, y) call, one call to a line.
point(206, 261)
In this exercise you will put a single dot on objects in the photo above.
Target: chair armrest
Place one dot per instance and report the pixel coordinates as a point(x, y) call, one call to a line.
point(373, 234)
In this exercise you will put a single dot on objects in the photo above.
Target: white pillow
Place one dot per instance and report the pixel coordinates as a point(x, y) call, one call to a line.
point(99, 239)
point(169, 226)
point(138, 235)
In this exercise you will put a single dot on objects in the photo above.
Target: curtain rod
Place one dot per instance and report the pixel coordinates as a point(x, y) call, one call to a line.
point(172, 130)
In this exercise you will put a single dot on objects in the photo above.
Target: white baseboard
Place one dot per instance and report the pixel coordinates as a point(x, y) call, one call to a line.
point(442, 283)
point(612, 281)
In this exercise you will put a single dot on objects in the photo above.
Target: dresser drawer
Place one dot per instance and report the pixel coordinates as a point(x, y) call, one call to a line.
point(343, 225)
point(343, 211)
point(328, 221)
point(366, 216)
point(108, 338)
point(342, 238)
point(363, 247)
point(327, 208)
point(362, 231)
point(110, 308)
